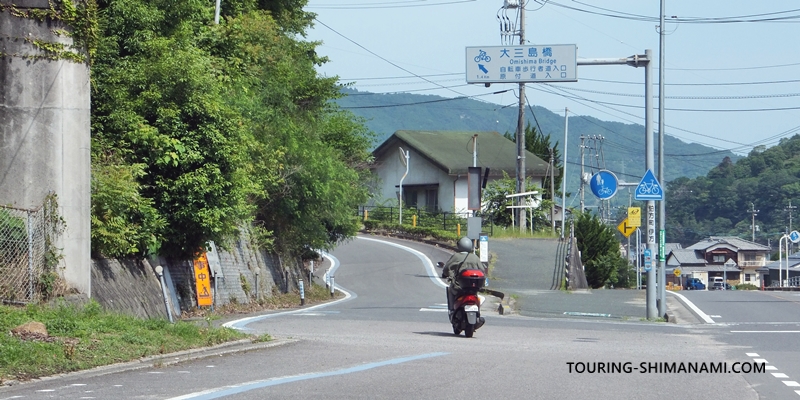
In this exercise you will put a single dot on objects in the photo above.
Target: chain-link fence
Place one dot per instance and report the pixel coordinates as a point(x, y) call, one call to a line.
point(22, 253)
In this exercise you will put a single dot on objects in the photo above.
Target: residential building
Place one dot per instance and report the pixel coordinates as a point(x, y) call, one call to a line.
point(732, 258)
point(438, 163)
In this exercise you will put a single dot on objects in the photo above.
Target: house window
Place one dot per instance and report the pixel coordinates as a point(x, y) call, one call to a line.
point(719, 258)
point(747, 277)
point(432, 200)
point(410, 198)
point(749, 257)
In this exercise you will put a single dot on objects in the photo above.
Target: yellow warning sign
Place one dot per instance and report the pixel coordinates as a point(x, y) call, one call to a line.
point(634, 217)
point(202, 281)
point(677, 272)
point(625, 229)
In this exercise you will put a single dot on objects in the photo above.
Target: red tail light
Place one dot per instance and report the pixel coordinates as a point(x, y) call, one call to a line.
point(469, 299)
point(472, 273)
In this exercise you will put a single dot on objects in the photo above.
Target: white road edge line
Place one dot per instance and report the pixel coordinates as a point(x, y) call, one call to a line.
point(694, 308)
point(240, 324)
point(752, 354)
point(425, 261)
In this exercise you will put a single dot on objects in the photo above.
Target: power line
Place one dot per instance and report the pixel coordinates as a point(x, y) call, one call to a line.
point(401, 4)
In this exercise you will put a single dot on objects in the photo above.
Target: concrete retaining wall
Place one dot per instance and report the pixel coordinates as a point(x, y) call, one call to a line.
point(133, 288)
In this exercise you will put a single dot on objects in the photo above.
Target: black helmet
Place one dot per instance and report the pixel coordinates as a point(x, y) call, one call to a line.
point(464, 244)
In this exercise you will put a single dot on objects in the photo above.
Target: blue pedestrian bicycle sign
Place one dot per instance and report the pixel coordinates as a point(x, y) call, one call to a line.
point(649, 188)
point(604, 184)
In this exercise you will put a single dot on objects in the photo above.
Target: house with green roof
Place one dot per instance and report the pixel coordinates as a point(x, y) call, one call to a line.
point(438, 163)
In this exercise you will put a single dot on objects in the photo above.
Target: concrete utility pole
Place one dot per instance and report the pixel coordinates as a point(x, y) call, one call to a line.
point(520, 136)
point(790, 208)
point(583, 182)
point(564, 174)
point(662, 231)
point(552, 191)
point(651, 206)
point(753, 212)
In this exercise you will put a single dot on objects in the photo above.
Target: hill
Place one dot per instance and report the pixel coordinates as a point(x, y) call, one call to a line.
point(621, 150)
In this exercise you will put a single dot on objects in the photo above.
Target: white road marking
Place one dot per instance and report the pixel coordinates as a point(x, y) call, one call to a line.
point(715, 316)
point(761, 360)
point(791, 383)
point(694, 308)
point(797, 391)
point(433, 309)
point(78, 384)
point(765, 331)
point(771, 368)
point(752, 354)
point(779, 375)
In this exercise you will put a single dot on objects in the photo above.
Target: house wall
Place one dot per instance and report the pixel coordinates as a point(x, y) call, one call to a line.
point(420, 172)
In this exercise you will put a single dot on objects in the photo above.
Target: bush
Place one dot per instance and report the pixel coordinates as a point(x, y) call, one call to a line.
point(746, 286)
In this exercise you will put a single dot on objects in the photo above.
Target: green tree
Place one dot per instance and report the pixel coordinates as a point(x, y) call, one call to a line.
point(214, 127)
point(599, 248)
point(540, 145)
point(496, 203)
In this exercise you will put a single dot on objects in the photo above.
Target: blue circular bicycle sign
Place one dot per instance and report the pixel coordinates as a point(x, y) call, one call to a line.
point(604, 184)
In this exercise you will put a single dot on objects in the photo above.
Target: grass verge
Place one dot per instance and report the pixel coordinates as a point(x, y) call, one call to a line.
point(84, 337)
point(80, 338)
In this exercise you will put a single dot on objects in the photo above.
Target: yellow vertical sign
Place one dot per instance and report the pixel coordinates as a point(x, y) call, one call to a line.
point(634, 217)
point(202, 281)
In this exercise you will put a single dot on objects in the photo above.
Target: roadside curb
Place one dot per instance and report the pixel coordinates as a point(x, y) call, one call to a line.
point(239, 346)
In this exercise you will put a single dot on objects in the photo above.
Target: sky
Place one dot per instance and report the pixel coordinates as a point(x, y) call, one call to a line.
point(732, 76)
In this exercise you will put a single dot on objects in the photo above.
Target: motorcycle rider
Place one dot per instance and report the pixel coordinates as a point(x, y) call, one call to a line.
point(463, 260)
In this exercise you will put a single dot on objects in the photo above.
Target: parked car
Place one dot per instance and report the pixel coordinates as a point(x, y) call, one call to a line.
point(695, 284)
point(717, 286)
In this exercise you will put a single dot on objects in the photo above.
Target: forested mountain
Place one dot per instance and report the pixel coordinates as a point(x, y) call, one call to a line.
point(621, 150)
point(723, 202)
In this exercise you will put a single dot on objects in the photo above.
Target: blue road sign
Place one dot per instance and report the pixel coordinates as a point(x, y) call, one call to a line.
point(648, 260)
point(604, 184)
point(794, 237)
point(649, 188)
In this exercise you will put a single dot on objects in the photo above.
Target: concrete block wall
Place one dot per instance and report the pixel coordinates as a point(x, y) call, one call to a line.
point(128, 287)
point(132, 287)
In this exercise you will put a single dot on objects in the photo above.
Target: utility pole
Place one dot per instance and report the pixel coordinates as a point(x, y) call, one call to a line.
point(790, 208)
point(662, 231)
point(583, 182)
point(521, 216)
point(564, 175)
point(552, 192)
point(753, 212)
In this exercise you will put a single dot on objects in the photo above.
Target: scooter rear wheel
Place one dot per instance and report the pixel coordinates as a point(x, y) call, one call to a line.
point(456, 330)
point(469, 330)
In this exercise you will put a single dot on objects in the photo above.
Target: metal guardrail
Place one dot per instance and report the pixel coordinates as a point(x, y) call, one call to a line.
point(22, 253)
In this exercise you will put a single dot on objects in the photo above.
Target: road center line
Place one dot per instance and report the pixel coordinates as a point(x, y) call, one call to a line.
point(245, 387)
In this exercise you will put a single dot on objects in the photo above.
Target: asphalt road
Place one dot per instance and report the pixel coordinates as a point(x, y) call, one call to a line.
point(390, 339)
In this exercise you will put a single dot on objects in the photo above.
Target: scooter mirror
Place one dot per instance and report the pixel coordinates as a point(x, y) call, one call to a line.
point(440, 264)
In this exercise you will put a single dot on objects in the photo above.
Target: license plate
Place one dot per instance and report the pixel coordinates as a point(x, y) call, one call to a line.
point(473, 308)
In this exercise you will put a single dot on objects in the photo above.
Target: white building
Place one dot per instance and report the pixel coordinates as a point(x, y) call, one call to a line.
point(438, 163)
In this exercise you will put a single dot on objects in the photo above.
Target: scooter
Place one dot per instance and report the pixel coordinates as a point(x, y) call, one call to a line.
point(465, 314)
